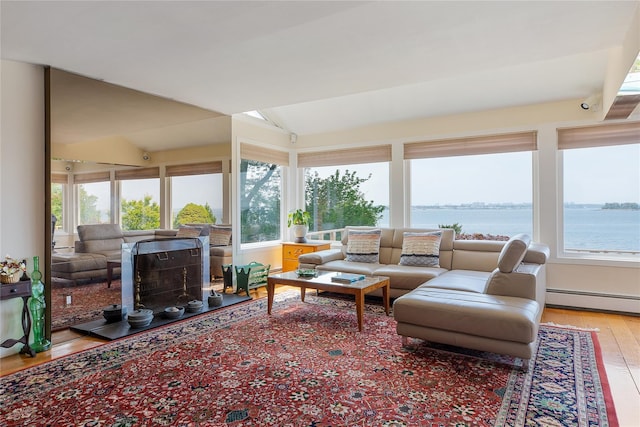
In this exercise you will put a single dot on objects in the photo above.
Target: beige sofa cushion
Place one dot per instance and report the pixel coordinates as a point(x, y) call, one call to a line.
point(513, 253)
point(460, 280)
point(99, 232)
point(499, 317)
point(105, 239)
point(74, 262)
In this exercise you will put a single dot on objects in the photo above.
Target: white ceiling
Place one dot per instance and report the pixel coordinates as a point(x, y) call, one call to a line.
point(85, 110)
point(318, 66)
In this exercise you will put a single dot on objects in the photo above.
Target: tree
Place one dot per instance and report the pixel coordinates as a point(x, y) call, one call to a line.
point(193, 213)
point(89, 213)
point(259, 201)
point(140, 214)
point(337, 201)
point(56, 203)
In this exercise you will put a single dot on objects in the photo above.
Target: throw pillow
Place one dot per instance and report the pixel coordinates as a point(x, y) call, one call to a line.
point(219, 236)
point(363, 246)
point(421, 249)
point(192, 232)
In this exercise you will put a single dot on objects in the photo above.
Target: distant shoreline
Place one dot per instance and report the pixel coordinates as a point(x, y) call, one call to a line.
point(608, 206)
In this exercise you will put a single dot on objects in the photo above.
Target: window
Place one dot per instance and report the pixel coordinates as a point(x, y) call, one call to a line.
point(260, 193)
point(59, 199)
point(601, 189)
point(338, 196)
point(347, 187)
point(201, 206)
point(139, 198)
point(481, 186)
point(93, 195)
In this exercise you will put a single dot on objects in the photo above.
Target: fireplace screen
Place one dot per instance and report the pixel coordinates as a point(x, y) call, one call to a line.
point(161, 273)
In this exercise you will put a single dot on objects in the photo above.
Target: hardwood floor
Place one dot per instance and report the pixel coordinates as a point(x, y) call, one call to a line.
point(619, 337)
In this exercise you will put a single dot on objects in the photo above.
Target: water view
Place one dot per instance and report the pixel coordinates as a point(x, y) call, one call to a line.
point(586, 226)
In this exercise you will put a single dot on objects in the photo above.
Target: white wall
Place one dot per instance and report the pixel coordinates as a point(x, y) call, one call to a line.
point(22, 224)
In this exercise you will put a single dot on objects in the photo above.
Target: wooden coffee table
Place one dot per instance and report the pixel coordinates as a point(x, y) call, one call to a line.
point(323, 283)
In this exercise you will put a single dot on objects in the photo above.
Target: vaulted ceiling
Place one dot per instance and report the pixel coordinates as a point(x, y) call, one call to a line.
point(319, 66)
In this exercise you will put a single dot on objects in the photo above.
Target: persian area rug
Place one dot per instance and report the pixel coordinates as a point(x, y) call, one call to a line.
point(87, 301)
point(307, 365)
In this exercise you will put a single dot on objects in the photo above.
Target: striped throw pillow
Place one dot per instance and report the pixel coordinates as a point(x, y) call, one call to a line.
point(421, 249)
point(220, 236)
point(363, 246)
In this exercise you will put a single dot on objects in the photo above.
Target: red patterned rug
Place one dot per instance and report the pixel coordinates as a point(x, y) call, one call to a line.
point(86, 302)
point(307, 365)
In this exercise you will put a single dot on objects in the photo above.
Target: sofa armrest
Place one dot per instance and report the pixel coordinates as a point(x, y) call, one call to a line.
point(321, 257)
point(522, 282)
point(537, 253)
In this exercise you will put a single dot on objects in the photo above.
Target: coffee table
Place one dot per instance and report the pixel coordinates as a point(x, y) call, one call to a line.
point(323, 283)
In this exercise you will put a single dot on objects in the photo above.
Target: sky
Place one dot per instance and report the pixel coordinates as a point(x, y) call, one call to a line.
point(590, 176)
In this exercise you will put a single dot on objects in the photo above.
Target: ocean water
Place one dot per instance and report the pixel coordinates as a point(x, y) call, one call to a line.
point(585, 228)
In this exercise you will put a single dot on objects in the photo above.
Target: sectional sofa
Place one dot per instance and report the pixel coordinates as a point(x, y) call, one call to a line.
point(478, 294)
point(99, 243)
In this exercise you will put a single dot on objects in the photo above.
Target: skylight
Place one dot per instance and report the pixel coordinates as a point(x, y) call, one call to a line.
point(631, 84)
point(256, 114)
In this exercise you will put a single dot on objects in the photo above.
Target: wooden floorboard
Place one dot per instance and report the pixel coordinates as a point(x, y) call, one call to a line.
point(618, 335)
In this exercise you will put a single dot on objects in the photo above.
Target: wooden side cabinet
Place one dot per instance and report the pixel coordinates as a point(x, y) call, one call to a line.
point(291, 252)
point(22, 290)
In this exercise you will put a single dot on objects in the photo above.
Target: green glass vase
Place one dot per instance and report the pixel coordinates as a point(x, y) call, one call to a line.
point(37, 306)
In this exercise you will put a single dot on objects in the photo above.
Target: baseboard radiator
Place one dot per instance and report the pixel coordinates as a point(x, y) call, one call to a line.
point(597, 301)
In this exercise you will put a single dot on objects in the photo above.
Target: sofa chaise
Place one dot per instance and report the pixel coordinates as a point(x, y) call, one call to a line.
point(478, 294)
point(99, 243)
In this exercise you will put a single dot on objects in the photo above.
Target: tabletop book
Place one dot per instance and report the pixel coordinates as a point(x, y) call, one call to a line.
point(347, 277)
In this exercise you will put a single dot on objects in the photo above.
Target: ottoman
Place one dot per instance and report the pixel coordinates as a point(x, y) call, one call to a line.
point(75, 266)
point(495, 323)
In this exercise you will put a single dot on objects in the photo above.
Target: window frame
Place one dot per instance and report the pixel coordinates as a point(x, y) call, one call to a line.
point(265, 153)
point(190, 169)
point(607, 257)
point(534, 191)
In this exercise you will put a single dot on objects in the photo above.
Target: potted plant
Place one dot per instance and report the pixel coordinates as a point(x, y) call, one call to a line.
point(299, 221)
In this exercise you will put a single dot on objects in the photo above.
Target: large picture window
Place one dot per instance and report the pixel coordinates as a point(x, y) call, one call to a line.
point(59, 199)
point(93, 198)
point(261, 175)
point(347, 187)
point(202, 206)
point(139, 198)
point(482, 187)
point(601, 189)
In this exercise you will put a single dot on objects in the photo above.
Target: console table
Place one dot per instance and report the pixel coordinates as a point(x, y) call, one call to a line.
point(22, 290)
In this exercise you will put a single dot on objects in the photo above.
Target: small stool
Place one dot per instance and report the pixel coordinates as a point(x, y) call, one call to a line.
point(227, 276)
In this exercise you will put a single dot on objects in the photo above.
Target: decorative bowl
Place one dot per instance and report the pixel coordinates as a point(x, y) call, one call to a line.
point(194, 306)
point(173, 312)
point(215, 300)
point(114, 313)
point(140, 318)
point(307, 273)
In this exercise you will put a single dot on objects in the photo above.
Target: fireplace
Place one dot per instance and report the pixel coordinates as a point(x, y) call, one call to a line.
point(166, 272)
